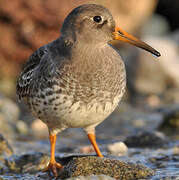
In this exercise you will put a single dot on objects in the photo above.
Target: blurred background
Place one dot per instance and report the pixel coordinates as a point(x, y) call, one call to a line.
point(151, 102)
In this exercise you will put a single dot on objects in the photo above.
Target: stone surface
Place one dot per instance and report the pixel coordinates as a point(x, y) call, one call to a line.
point(89, 165)
point(146, 139)
point(27, 163)
point(170, 117)
point(75, 166)
point(93, 177)
point(5, 148)
point(117, 148)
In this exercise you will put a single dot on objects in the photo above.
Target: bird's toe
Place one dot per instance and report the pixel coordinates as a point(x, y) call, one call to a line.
point(53, 167)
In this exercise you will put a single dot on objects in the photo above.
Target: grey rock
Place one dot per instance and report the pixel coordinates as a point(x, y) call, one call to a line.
point(170, 117)
point(27, 163)
point(147, 139)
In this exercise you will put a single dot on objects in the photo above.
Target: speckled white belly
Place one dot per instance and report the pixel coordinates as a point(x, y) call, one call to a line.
point(63, 113)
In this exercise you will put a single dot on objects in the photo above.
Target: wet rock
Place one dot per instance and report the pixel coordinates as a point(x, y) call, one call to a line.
point(93, 177)
point(75, 166)
point(170, 117)
point(162, 161)
point(85, 166)
point(118, 149)
point(146, 139)
point(27, 163)
point(5, 152)
point(5, 148)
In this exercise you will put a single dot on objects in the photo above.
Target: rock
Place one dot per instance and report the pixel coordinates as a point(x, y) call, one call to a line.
point(22, 127)
point(27, 163)
point(176, 150)
point(85, 166)
point(5, 148)
point(93, 177)
point(5, 152)
point(75, 166)
point(146, 139)
point(170, 117)
point(161, 162)
point(118, 149)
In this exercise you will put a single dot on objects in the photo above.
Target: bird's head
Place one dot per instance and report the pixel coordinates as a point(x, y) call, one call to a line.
point(94, 24)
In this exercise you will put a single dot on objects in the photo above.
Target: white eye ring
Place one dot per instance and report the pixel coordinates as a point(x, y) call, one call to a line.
point(97, 19)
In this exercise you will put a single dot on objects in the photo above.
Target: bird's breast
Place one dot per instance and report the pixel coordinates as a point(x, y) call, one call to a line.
point(82, 91)
point(97, 73)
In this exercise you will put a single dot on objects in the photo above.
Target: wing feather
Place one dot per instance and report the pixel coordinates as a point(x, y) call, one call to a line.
point(27, 75)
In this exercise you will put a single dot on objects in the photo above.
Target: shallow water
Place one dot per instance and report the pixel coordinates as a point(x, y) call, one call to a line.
point(164, 160)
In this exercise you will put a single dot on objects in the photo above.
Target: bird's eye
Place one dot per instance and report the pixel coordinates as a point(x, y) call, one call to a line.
point(97, 19)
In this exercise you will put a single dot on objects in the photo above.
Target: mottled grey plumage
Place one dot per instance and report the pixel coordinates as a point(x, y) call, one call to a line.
point(78, 79)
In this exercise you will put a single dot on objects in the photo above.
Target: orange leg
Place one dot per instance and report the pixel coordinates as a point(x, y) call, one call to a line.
point(92, 139)
point(53, 165)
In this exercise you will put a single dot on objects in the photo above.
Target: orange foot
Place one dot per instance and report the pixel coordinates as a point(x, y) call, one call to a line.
point(53, 167)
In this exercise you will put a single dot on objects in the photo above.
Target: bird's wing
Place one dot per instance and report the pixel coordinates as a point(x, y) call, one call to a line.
point(27, 75)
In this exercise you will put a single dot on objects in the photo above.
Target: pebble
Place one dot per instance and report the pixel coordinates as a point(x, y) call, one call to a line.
point(176, 150)
point(22, 127)
point(118, 149)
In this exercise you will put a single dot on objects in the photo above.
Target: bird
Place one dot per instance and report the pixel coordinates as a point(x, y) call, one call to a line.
point(77, 80)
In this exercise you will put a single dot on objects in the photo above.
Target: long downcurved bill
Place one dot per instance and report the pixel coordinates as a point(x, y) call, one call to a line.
point(121, 35)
